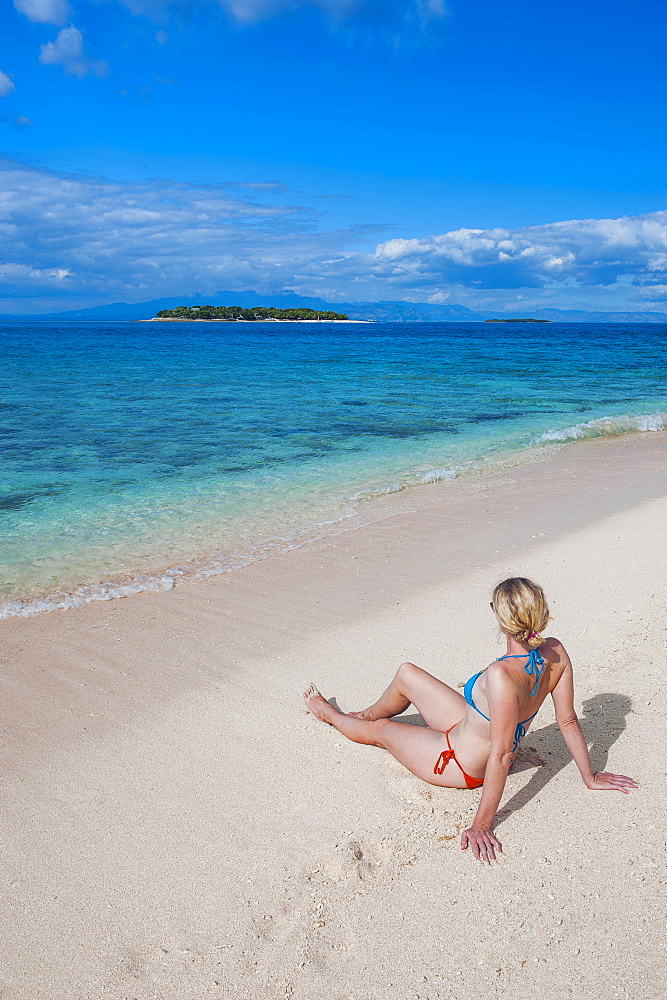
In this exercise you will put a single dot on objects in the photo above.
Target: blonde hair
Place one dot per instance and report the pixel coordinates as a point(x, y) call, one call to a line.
point(521, 609)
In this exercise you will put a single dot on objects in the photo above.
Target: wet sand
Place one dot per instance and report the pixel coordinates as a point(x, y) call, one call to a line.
point(175, 826)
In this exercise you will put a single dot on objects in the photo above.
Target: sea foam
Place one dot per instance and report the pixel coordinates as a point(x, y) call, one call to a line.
point(604, 427)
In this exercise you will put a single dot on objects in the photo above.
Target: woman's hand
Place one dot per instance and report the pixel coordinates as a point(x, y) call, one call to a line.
point(606, 781)
point(484, 844)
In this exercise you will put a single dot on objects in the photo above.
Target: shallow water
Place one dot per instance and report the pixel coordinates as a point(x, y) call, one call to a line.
point(132, 453)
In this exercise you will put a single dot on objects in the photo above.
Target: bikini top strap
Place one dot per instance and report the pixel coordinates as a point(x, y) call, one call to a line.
point(532, 665)
point(520, 730)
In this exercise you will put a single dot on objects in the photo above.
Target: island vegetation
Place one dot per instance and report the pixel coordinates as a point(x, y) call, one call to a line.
point(256, 314)
point(504, 319)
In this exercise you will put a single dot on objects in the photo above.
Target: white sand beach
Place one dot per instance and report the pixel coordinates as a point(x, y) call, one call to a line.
point(176, 827)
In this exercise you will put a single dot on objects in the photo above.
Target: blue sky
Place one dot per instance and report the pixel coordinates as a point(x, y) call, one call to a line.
point(342, 148)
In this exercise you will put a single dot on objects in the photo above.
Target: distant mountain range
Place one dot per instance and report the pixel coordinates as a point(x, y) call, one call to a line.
point(380, 312)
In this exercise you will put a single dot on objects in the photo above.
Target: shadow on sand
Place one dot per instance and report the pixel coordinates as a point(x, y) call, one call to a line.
point(602, 722)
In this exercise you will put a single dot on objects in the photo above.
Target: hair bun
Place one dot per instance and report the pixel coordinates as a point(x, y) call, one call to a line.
point(521, 609)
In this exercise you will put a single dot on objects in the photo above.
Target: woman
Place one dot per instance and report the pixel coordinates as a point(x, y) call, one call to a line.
point(472, 738)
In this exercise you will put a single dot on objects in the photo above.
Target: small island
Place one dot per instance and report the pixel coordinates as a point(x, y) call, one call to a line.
point(513, 320)
point(256, 314)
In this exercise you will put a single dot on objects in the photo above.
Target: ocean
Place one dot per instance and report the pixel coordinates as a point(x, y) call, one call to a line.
point(133, 455)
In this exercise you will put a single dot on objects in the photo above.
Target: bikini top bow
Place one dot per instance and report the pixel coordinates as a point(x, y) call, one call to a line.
point(533, 666)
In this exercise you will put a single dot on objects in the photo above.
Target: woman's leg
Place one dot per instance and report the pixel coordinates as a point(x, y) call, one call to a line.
point(416, 748)
point(439, 705)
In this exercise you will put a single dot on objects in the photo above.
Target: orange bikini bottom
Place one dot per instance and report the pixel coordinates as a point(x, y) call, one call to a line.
point(444, 759)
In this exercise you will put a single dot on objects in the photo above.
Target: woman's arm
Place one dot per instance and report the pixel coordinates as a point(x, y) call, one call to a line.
point(568, 723)
point(504, 716)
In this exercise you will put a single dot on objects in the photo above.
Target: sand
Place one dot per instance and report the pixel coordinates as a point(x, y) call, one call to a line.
point(175, 827)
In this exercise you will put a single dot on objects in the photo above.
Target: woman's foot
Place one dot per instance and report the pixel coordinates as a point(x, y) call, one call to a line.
point(318, 705)
point(366, 715)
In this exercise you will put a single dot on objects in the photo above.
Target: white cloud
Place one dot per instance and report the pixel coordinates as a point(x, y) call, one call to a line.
point(595, 252)
point(382, 14)
point(24, 275)
point(250, 11)
point(90, 239)
point(45, 11)
point(67, 51)
point(6, 85)
point(137, 241)
point(340, 10)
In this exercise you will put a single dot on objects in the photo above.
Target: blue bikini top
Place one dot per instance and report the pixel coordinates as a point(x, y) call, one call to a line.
point(533, 667)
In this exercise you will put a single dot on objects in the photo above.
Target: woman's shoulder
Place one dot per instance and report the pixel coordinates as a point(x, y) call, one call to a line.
point(553, 650)
point(551, 646)
point(498, 676)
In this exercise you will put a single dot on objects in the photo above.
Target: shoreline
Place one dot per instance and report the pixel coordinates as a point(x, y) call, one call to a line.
point(177, 827)
point(446, 486)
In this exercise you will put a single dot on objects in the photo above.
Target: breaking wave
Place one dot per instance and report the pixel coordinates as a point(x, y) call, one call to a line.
point(604, 427)
point(443, 475)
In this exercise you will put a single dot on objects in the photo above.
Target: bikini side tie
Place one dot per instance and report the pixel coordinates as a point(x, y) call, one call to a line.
point(520, 732)
point(443, 760)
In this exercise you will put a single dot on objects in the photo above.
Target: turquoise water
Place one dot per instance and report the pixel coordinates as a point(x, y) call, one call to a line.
point(132, 454)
